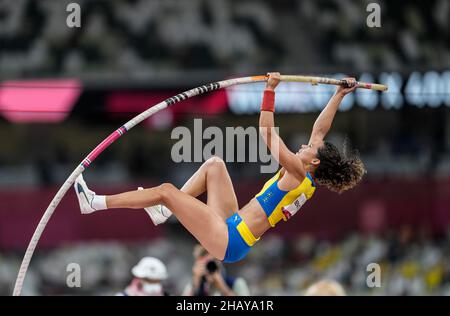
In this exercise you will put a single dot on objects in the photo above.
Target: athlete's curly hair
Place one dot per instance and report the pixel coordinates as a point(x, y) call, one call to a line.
point(338, 171)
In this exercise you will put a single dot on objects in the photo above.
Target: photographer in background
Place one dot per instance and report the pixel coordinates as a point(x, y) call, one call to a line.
point(210, 279)
point(149, 275)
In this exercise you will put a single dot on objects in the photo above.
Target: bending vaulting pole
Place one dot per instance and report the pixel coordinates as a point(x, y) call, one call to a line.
point(133, 122)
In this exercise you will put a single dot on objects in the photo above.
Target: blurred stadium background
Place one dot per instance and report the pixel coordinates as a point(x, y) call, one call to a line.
point(64, 90)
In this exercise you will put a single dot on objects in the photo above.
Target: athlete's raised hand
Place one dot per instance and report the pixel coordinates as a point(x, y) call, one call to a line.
point(348, 88)
point(273, 81)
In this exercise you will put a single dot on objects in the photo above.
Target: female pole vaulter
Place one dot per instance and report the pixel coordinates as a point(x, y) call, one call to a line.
point(226, 231)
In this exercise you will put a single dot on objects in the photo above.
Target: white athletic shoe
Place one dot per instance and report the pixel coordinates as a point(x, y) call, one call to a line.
point(158, 213)
point(84, 195)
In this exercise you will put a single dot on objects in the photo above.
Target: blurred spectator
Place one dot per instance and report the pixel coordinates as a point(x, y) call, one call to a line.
point(325, 288)
point(138, 37)
point(410, 265)
point(148, 274)
point(210, 278)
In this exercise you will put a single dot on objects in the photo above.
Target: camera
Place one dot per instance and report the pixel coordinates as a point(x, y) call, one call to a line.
point(211, 266)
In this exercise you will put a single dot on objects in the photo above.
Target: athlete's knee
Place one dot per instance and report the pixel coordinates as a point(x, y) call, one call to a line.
point(215, 163)
point(166, 190)
point(215, 159)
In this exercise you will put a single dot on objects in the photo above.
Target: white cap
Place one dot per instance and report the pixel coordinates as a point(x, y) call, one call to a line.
point(150, 268)
point(325, 288)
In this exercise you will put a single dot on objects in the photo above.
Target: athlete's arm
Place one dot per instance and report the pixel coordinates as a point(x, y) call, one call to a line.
point(325, 119)
point(286, 158)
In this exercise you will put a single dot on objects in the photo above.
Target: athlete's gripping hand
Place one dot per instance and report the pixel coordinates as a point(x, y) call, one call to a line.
point(348, 88)
point(268, 103)
point(273, 81)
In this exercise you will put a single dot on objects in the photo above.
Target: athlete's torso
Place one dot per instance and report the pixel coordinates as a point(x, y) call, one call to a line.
point(279, 199)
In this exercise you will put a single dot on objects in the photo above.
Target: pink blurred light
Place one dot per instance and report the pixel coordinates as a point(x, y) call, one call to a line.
point(38, 100)
point(128, 103)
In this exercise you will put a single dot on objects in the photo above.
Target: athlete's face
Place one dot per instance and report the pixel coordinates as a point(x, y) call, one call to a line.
point(308, 154)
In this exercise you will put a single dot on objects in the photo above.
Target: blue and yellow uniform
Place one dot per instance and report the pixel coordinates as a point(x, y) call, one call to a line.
point(276, 203)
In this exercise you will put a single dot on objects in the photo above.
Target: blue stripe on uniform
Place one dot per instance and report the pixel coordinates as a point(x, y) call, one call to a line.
point(308, 175)
point(271, 197)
